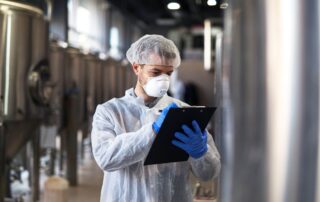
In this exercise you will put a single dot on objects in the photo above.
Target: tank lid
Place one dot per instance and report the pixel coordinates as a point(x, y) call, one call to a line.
point(7, 5)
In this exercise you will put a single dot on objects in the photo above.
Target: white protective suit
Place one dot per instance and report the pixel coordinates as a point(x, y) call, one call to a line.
point(121, 138)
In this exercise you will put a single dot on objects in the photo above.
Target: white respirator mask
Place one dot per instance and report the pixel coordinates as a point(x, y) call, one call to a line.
point(157, 86)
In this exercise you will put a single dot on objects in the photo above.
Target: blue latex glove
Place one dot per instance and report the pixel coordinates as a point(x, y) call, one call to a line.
point(157, 124)
point(194, 142)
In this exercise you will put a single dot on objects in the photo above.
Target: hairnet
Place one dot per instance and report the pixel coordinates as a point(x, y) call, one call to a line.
point(154, 49)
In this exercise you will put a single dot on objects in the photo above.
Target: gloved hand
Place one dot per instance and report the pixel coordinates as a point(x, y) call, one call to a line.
point(194, 142)
point(157, 124)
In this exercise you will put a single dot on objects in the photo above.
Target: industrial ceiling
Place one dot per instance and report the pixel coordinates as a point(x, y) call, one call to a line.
point(157, 13)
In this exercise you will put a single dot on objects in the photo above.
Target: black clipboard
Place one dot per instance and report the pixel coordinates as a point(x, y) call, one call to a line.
point(162, 150)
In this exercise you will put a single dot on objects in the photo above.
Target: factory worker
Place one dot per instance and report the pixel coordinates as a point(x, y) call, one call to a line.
point(124, 129)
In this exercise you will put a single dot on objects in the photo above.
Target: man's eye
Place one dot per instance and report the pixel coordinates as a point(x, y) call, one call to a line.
point(155, 73)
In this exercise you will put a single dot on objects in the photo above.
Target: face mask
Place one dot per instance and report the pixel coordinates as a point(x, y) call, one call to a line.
point(157, 86)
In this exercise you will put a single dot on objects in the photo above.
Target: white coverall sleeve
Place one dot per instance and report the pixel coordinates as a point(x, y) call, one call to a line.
point(115, 151)
point(208, 166)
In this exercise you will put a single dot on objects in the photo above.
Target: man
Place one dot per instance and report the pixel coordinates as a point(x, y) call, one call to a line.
point(123, 130)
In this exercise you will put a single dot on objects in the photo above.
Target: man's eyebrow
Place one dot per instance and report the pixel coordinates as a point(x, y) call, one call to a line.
point(156, 69)
point(160, 70)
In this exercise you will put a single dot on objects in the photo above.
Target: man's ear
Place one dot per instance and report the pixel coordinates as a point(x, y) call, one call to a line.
point(135, 68)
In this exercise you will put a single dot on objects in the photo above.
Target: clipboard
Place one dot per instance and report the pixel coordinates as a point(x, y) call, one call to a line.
point(162, 150)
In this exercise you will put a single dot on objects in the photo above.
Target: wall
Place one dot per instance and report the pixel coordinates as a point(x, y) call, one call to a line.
point(192, 70)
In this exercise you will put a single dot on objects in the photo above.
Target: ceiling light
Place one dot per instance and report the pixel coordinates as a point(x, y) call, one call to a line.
point(224, 4)
point(173, 6)
point(212, 2)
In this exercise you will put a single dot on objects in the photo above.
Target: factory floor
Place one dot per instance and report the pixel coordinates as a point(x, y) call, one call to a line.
point(90, 179)
point(89, 183)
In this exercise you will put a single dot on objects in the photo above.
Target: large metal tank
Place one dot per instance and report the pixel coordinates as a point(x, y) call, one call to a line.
point(74, 78)
point(24, 76)
point(54, 118)
point(121, 79)
point(133, 77)
point(57, 63)
point(270, 78)
point(93, 94)
point(116, 78)
point(99, 82)
point(91, 73)
point(74, 107)
point(129, 82)
point(109, 83)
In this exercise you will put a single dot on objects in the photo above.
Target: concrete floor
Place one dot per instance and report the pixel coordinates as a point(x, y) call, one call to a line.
point(90, 181)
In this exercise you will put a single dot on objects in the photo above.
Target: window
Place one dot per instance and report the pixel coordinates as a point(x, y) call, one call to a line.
point(86, 27)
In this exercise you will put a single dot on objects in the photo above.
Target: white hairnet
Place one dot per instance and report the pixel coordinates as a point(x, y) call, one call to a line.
point(154, 49)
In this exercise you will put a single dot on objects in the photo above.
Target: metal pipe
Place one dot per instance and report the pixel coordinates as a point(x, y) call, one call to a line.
point(2, 164)
point(71, 138)
point(35, 168)
point(318, 169)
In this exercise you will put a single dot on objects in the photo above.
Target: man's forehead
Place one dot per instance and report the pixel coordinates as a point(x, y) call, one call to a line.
point(157, 60)
point(160, 66)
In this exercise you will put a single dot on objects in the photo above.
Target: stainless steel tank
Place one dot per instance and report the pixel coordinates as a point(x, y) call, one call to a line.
point(57, 63)
point(24, 61)
point(91, 73)
point(116, 78)
point(109, 83)
point(55, 113)
point(99, 82)
point(121, 79)
point(270, 136)
point(74, 107)
point(132, 75)
point(105, 72)
point(74, 78)
point(129, 83)
point(24, 77)
point(93, 91)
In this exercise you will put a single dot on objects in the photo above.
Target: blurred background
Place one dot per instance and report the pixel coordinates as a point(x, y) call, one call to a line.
point(256, 60)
